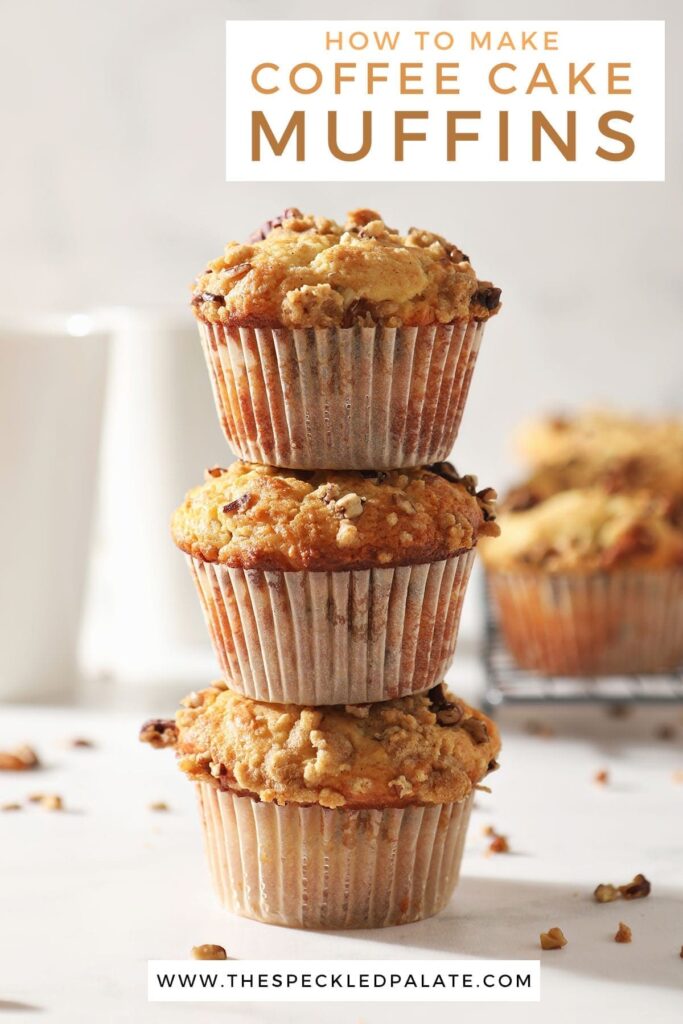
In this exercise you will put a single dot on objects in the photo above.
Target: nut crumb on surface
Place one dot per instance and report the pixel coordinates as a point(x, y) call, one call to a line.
point(636, 889)
point(605, 893)
point(541, 729)
point(48, 801)
point(666, 733)
point(623, 933)
point(499, 844)
point(81, 743)
point(12, 806)
point(208, 951)
point(553, 939)
point(159, 805)
point(20, 759)
point(601, 777)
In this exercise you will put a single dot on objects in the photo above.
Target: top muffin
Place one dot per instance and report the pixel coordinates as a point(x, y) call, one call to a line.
point(302, 271)
point(253, 516)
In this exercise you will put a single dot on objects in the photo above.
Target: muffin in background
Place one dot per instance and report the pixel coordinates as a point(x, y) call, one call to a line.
point(341, 346)
point(587, 582)
point(605, 448)
point(332, 817)
point(325, 587)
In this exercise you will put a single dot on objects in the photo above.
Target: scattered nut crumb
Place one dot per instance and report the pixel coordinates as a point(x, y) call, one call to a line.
point(605, 893)
point(666, 733)
point(350, 505)
point(624, 933)
point(10, 807)
point(80, 743)
point(618, 710)
point(20, 759)
point(601, 777)
point(52, 802)
point(499, 844)
point(553, 939)
point(209, 952)
point(159, 805)
point(636, 889)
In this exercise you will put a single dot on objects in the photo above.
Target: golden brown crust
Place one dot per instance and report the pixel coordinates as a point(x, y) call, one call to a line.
point(302, 271)
point(424, 749)
point(586, 530)
point(258, 517)
point(621, 453)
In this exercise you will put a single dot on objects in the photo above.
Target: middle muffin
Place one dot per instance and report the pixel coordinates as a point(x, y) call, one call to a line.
point(324, 587)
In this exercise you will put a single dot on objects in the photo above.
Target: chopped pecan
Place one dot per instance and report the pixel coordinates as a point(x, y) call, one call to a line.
point(553, 939)
point(447, 712)
point(636, 889)
point(159, 805)
point(80, 743)
point(20, 759)
point(448, 471)
point(276, 222)
point(350, 505)
point(601, 777)
point(209, 952)
point(214, 471)
point(486, 295)
point(238, 504)
point(605, 893)
point(624, 933)
point(476, 729)
point(159, 732)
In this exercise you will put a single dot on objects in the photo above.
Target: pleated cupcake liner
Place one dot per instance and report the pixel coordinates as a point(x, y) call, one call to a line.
point(346, 637)
point(314, 867)
point(572, 624)
point(341, 398)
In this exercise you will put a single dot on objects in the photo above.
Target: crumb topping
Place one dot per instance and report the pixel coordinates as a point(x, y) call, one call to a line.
point(301, 271)
point(588, 529)
point(392, 753)
point(258, 517)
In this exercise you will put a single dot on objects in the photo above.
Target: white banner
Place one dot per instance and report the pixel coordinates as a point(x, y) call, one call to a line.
point(387, 100)
point(344, 981)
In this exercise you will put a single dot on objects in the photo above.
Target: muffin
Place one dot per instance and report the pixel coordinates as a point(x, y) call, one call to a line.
point(614, 450)
point(331, 588)
point(332, 817)
point(588, 582)
point(341, 346)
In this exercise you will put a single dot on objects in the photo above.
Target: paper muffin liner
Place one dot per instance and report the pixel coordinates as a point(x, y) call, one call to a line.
point(341, 398)
point(314, 867)
point(598, 623)
point(347, 637)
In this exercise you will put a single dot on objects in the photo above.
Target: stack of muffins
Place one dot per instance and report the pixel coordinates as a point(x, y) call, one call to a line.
point(588, 576)
point(335, 774)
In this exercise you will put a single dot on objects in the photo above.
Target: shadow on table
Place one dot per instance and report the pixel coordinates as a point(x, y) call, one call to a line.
point(12, 1006)
point(502, 919)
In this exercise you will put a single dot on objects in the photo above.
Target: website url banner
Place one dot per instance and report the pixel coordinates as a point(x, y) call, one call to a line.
point(344, 981)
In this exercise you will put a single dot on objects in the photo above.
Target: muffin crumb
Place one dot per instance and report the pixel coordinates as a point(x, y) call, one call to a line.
point(601, 777)
point(159, 732)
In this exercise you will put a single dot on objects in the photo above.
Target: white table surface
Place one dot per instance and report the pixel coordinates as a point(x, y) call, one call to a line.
point(89, 895)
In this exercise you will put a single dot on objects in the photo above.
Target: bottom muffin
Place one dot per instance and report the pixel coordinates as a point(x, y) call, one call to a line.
point(332, 817)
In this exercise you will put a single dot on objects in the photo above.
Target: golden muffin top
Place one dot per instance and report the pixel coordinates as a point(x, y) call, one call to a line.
point(601, 446)
point(429, 748)
point(585, 530)
point(303, 271)
point(259, 517)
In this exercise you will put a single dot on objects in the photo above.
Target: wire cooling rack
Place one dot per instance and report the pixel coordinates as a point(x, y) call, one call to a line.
point(506, 683)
